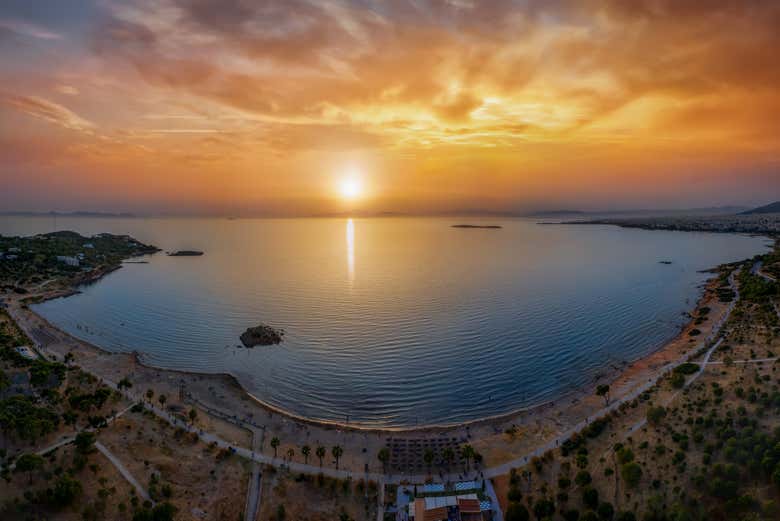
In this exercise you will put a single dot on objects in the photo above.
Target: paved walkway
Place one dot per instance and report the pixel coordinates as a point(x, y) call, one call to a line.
point(498, 470)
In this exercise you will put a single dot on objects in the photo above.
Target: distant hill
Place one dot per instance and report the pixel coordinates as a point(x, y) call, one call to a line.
point(770, 208)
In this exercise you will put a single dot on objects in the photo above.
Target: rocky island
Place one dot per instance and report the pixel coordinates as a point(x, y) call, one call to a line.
point(186, 253)
point(487, 226)
point(262, 335)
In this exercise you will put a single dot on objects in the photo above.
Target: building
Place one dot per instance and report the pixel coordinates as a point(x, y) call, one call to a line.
point(462, 507)
point(70, 261)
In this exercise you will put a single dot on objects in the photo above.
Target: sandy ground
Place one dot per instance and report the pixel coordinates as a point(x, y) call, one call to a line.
point(315, 499)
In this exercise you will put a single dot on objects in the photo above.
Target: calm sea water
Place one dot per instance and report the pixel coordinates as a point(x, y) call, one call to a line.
point(394, 322)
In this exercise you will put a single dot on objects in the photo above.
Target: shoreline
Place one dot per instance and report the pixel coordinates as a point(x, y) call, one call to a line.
point(569, 397)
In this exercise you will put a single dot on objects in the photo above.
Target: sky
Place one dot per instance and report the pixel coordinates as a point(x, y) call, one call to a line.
point(252, 107)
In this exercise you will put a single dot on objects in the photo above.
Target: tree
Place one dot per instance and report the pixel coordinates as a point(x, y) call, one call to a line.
point(590, 497)
point(162, 399)
point(337, 452)
point(306, 450)
point(516, 512)
point(5, 382)
point(193, 415)
point(384, 456)
point(449, 456)
point(275, 444)
point(85, 442)
point(320, 452)
point(655, 415)
point(290, 454)
point(467, 452)
point(29, 463)
point(582, 478)
point(124, 383)
point(603, 391)
point(149, 395)
point(428, 457)
point(606, 511)
point(625, 516)
point(631, 473)
point(66, 490)
point(544, 508)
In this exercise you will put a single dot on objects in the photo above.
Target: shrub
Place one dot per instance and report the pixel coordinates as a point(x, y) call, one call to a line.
point(631, 473)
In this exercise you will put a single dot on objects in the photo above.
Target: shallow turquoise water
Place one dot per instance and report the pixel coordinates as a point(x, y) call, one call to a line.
point(394, 322)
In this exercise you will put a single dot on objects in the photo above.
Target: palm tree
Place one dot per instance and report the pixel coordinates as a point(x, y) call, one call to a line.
point(274, 444)
point(467, 452)
point(149, 395)
point(193, 414)
point(337, 451)
point(290, 453)
point(320, 452)
point(306, 450)
point(428, 457)
point(448, 454)
point(162, 399)
point(384, 456)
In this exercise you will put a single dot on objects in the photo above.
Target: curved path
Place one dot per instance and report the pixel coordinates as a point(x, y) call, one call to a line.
point(498, 470)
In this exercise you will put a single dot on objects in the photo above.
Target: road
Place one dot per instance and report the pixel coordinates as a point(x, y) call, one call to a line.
point(255, 484)
point(260, 458)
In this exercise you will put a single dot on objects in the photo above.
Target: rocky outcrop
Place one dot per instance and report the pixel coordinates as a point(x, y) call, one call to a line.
point(262, 335)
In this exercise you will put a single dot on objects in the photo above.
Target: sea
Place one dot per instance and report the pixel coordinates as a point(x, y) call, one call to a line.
point(393, 322)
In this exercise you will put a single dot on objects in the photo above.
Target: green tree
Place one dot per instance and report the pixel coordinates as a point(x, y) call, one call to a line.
point(275, 444)
point(66, 490)
point(544, 508)
point(428, 457)
point(655, 415)
point(337, 452)
point(290, 454)
point(306, 450)
point(320, 452)
point(631, 473)
point(85, 442)
point(516, 512)
point(149, 395)
point(162, 399)
point(467, 452)
point(193, 415)
point(384, 456)
point(449, 456)
point(29, 463)
point(124, 383)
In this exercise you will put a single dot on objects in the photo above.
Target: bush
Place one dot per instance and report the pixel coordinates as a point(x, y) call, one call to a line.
point(631, 474)
point(582, 478)
point(655, 415)
point(590, 497)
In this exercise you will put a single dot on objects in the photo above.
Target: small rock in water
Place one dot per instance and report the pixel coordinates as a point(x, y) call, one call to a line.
point(262, 335)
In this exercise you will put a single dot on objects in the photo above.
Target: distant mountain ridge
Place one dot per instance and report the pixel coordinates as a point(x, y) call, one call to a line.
point(769, 208)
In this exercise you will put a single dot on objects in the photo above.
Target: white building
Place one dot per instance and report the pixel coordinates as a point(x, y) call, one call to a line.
point(70, 261)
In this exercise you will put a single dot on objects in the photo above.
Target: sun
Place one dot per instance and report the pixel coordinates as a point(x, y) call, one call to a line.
point(350, 188)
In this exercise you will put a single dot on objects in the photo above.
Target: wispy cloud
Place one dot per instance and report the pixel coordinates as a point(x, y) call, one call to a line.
point(48, 111)
point(28, 29)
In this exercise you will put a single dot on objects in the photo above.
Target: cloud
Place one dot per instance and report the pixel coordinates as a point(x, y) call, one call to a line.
point(23, 28)
point(48, 111)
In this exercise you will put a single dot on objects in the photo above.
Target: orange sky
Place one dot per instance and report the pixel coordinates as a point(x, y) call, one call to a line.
point(253, 107)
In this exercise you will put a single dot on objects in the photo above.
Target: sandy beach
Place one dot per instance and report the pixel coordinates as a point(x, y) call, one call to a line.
point(241, 417)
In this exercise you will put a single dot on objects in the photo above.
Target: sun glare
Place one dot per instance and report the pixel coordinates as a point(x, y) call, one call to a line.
point(350, 188)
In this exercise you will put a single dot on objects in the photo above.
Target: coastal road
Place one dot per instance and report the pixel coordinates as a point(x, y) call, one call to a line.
point(255, 483)
point(498, 470)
